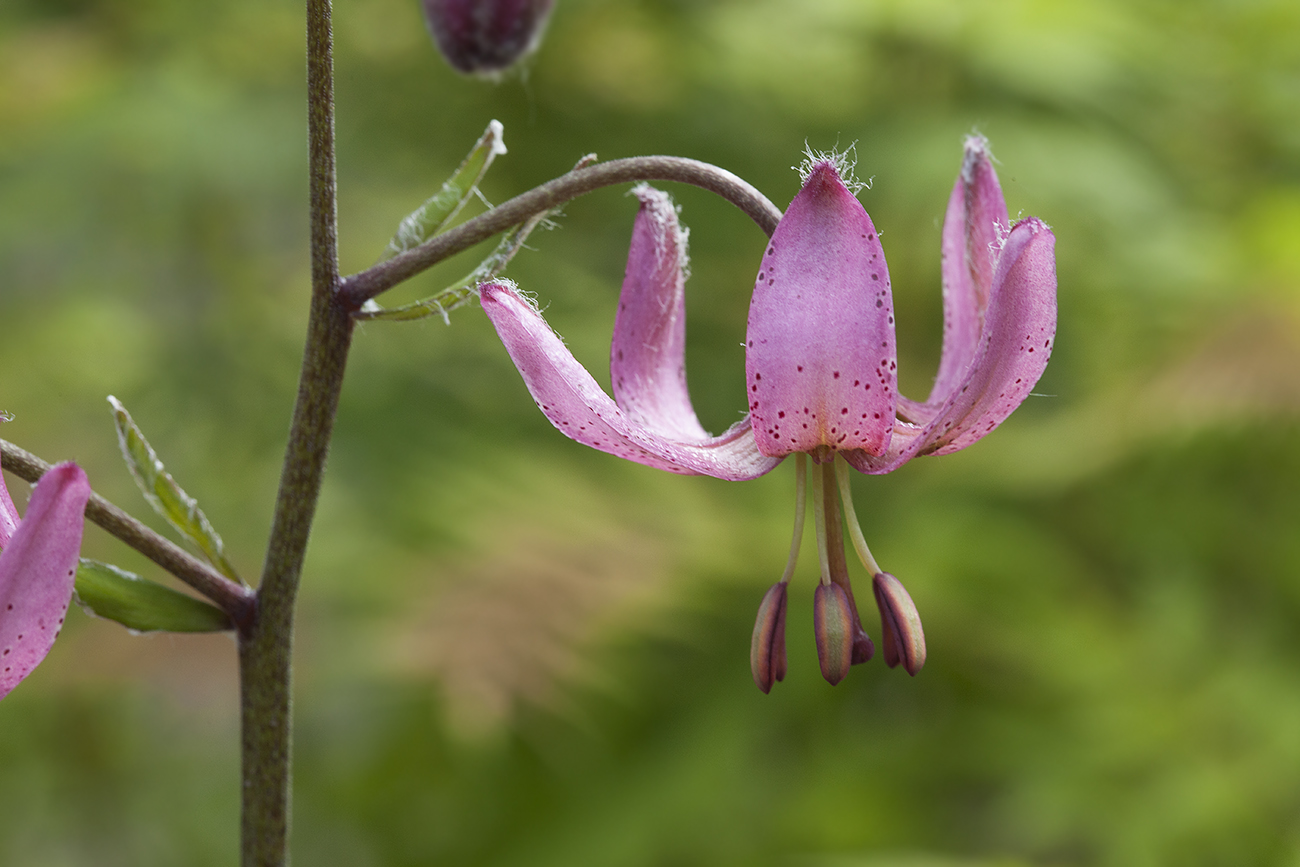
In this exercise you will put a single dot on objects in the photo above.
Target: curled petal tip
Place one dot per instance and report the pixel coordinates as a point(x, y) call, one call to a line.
point(975, 150)
point(900, 625)
point(767, 650)
point(834, 628)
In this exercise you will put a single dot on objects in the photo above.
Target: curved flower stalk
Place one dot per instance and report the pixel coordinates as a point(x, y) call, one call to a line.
point(37, 568)
point(821, 375)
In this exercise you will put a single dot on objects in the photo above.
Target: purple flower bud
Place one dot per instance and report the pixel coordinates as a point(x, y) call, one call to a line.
point(767, 650)
point(486, 37)
point(834, 628)
point(903, 638)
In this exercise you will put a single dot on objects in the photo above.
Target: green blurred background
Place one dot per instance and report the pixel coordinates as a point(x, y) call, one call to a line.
point(514, 650)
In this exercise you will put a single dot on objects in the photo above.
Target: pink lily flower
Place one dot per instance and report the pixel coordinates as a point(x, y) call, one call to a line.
point(821, 374)
point(37, 569)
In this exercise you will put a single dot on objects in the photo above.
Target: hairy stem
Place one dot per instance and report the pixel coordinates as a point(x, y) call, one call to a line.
point(266, 647)
point(232, 598)
point(361, 287)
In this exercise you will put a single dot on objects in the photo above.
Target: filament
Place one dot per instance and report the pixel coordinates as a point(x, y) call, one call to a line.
point(800, 509)
point(819, 520)
point(855, 531)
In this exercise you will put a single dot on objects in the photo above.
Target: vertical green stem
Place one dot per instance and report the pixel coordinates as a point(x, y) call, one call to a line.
point(266, 645)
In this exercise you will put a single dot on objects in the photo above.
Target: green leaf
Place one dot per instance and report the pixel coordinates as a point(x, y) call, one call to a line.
point(437, 213)
point(161, 491)
point(107, 591)
point(462, 290)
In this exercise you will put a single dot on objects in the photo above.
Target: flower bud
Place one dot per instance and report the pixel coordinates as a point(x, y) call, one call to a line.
point(903, 638)
point(767, 650)
point(486, 37)
point(834, 628)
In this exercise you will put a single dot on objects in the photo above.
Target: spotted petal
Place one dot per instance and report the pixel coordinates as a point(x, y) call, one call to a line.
point(820, 360)
point(1015, 343)
point(573, 401)
point(37, 570)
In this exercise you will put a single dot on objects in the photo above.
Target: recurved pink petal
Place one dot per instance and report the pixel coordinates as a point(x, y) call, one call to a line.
point(820, 358)
point(1015, 344)
point(647, 357)
point(37, 570)
point(973, 230)
point(579, 409)
point(1019, 328)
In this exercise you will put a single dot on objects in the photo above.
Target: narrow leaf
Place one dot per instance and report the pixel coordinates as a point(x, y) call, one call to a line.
point(437, 213)
point(141, 605)
point(458, 293)
point(161, 491)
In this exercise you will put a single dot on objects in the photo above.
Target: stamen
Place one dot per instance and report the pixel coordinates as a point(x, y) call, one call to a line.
point(862, 648)
point(800, 509)
point(819, 520)
point(839, 569)
point(855, 531)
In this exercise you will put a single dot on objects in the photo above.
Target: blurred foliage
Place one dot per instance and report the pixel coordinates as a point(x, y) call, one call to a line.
point(517, 651)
